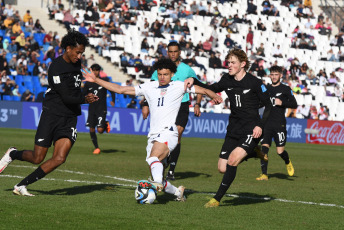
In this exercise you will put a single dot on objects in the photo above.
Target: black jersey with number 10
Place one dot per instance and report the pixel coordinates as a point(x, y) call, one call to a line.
point(277, 114)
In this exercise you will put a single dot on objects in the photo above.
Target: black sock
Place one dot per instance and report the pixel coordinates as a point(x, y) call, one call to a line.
point(227, 180)
point(33, 177)
point(17, 155)
point(264, 164)
point(174, 158)
point(265, 149)
point(285, 157)
point(94, 139)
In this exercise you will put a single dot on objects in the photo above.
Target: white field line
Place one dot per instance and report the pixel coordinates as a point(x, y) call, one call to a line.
point(134, 185)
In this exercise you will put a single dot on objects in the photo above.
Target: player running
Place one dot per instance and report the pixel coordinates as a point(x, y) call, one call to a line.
point(164, 98)
point(245, 92)
point(184, 71)
point(281, 97)
point(97, 111)
point(61, 106)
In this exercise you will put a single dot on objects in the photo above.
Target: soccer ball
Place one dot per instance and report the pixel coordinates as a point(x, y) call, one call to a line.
point(145, 195)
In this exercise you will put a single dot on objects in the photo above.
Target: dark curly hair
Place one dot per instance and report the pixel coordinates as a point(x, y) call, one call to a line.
point(165, 64)
point(74, 38)
point(276, 68)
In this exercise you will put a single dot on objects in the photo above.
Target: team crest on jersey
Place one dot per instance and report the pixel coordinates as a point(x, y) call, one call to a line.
point(163, 92)
point(56, 79)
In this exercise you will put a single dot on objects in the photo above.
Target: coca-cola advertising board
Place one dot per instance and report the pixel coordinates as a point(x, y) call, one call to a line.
point(330, 132)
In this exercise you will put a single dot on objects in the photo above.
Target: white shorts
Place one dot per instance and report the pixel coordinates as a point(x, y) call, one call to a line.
point(168, 136)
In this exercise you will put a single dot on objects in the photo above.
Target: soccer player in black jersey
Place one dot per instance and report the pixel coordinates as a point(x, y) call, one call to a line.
point(97, 111)
point(245, 92)
point(281, 97)
point(61, 106)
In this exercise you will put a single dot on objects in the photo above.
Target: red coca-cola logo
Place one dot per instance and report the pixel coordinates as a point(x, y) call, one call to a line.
point(331, 133)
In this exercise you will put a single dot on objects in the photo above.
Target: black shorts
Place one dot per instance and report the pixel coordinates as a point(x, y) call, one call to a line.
point(52, 128)
point(278, 134)
point(183, 114)
point(248, 143)
point(96, 118)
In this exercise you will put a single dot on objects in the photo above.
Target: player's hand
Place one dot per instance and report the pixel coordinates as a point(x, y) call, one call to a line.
point(188, 83)
point(112, 103)
point(197, 110)
point(145, 112)
point(217, 100)
point(90, 98)
point(278, 101)
point(88, 75)
point(257, 132)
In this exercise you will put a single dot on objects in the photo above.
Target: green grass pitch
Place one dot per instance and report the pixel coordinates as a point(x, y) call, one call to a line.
point(97, 191)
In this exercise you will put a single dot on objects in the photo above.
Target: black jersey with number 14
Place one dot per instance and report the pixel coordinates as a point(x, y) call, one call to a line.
point(63, 96)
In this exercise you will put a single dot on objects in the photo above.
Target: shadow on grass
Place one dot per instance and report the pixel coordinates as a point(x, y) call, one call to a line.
point(112, 151)
point(281, 176)
point(77, 190)
point(245, 199)
point(183, 175)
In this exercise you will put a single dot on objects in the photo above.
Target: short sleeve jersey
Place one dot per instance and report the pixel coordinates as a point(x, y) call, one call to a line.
point(164, 103)
point(245, 97)
point(101, 92)
point(64, 81)
point(184, 72)
point(277, 114)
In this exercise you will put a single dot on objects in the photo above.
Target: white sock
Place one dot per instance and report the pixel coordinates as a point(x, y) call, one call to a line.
point(169, 188)
point(156, 168)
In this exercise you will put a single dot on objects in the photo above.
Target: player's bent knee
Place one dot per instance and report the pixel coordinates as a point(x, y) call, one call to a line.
point(222, 170)
point(59, 160)
point(37, 160)
point(100, 130)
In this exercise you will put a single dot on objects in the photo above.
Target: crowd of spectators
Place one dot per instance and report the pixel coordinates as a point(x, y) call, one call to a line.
point(110, 18)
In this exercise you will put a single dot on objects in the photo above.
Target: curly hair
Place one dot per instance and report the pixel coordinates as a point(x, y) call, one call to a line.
point(276, 68)
point(165, 64)
point(241, 55)
point(74, 38)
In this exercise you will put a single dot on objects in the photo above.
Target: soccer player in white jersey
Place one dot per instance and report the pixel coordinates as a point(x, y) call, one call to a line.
point(164, 98)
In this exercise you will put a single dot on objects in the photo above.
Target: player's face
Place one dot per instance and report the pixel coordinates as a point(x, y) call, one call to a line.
point(234, 65)
point(96, 72)
point(73, 54)
point(275, 77)
point(164, 76)
point(173, 53)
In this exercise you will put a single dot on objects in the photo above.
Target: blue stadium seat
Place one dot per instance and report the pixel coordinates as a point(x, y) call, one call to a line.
point(39, 37)
point(7, 98)
point(19, 80)
point(30, 68)
point(22, 89)
point(8, 57)
point(16, 98)
point(2, 33)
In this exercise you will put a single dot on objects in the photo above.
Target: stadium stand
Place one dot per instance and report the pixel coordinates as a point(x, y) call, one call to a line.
point(133, 34)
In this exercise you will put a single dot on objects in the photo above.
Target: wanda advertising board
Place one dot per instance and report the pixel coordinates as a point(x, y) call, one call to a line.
point(330, 132)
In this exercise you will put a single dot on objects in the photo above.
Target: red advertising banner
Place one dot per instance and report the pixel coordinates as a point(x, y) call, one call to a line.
point(330, 132)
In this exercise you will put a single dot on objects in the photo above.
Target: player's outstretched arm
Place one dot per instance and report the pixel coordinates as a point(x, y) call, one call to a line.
point(216, 98)
point(89, 76)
